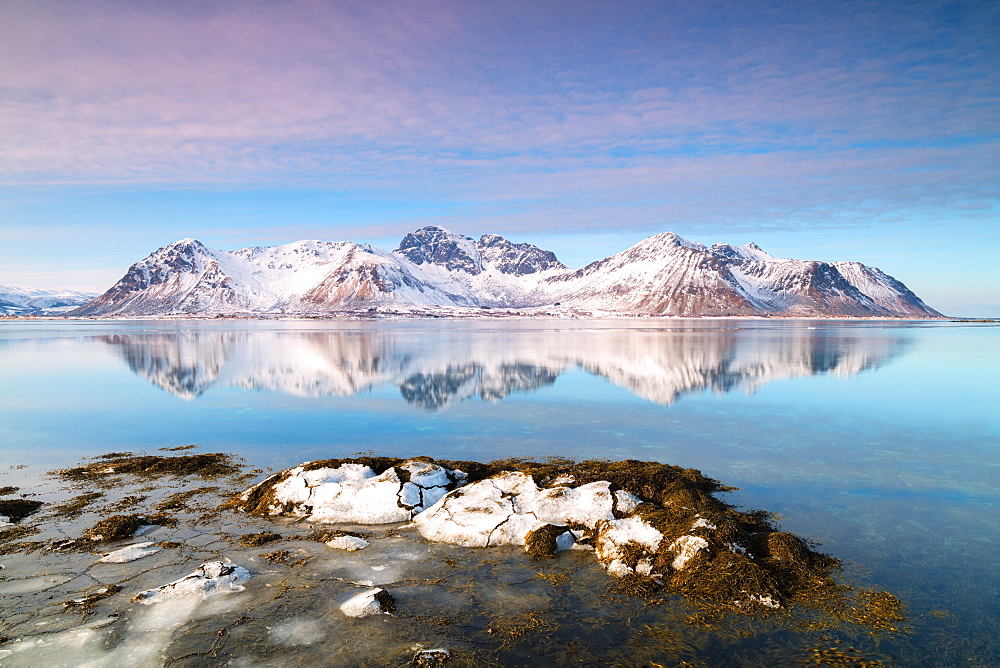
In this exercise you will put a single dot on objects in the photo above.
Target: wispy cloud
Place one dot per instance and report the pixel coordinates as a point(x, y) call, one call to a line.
point(582, 113)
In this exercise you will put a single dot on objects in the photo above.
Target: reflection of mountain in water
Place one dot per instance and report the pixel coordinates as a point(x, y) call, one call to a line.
point(435, 368)
point(434, 390)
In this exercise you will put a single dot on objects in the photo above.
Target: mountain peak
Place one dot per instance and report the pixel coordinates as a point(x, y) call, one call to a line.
point(750, 251)
point(186, 242)
point(438, 246)
point(517, 259)
point(668, 239)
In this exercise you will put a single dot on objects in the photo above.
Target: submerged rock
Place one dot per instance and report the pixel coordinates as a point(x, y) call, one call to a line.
point(213, 577)
point(431, 657)
point(372, 602)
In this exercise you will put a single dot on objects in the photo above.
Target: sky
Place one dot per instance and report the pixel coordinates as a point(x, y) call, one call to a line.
point(819, 130)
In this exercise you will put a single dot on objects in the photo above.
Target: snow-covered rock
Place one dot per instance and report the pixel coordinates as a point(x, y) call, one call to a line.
point(371, 602)
point(660, 523)
point(354, 493)
point(347, 543)
point(507, 509)
point(686, 548)
point(504, 509)
point(213, 577)
point(614, 536)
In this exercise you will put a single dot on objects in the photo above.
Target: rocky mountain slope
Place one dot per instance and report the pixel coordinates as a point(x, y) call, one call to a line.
point(434, 268)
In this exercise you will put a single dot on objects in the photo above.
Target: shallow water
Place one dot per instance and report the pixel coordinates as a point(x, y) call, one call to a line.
point(877, 439)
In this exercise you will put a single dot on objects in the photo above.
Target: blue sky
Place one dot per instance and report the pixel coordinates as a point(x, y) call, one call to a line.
point(819, 130)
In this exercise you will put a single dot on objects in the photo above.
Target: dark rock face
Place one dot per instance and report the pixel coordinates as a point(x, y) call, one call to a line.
point(724, 252)
point(517, 259)
point(436, 245)
point(728, 252)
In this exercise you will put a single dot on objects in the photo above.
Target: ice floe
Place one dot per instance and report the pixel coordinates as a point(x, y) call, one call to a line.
point(213, 577)
point(129, 553)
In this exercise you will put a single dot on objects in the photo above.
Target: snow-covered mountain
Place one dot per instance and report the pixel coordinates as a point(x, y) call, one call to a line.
point(20, 300)
point(434, 268)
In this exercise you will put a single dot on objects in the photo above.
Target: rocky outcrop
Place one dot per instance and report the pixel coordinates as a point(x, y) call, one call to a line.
point(516, 259)
point(658, 523)
point(345, 491)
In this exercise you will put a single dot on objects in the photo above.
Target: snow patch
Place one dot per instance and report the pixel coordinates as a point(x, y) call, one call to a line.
point(685, 549)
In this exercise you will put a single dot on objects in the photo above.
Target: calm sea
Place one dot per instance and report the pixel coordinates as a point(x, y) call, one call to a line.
point(880, 440)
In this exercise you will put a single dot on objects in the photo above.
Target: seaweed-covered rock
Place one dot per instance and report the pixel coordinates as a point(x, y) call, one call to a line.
point(548, 539)
point(13, 511)
point(649, 523)
point(431, 657)
point(119, 527)
point(115, 464)
point(259, 538)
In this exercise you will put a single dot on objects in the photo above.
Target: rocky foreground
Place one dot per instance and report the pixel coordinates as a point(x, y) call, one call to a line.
point(656, 523)
point(136, 559)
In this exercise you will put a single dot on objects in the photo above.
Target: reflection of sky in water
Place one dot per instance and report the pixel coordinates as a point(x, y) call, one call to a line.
point(878, 439)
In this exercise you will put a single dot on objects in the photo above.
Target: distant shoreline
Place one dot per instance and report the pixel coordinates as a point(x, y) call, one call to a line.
point(477, 315)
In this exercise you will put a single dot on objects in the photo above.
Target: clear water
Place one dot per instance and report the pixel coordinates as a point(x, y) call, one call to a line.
point(880, 440)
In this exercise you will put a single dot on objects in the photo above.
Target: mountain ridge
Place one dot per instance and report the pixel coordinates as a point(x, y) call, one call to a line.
point(20, 300)
point(434, 268)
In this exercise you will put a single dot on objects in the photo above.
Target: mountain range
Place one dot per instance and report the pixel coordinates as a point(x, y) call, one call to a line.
point(436, 271)
point(19, 300)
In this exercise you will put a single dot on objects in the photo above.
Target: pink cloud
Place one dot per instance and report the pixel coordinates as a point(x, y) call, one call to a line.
point(712, 111)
